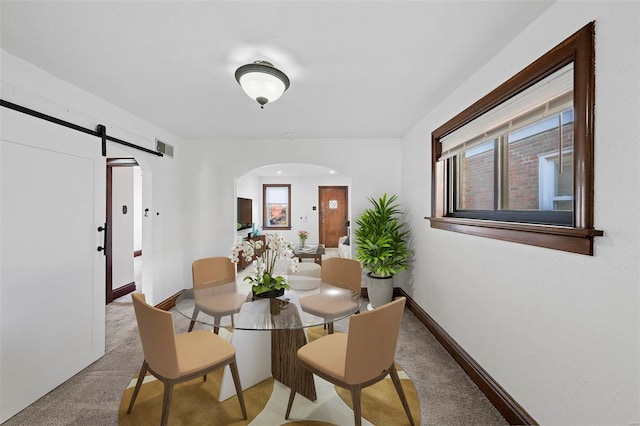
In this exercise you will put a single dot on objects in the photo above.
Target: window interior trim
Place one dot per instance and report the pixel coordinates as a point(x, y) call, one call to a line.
point(579, 49)
point(265, 214)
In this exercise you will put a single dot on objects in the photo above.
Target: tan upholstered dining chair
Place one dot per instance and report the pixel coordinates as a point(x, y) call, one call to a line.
point(212, 272)
point(339, 272)
point(360, 358)
point(174, 358)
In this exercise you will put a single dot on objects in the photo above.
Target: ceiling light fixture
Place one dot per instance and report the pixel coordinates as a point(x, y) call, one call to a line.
point(262, 81)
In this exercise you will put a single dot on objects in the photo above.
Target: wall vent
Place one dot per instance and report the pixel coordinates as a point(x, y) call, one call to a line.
point(164, 148)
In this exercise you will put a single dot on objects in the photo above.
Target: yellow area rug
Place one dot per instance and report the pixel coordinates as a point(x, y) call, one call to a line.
point(196, 403)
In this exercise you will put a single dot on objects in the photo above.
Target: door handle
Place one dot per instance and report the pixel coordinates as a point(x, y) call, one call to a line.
point(103, 248)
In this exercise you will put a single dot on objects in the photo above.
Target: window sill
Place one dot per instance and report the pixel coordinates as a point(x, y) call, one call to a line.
point(574, 240)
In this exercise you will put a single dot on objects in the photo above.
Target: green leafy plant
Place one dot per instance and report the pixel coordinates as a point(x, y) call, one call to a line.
point(383, 238)
point(266, 282)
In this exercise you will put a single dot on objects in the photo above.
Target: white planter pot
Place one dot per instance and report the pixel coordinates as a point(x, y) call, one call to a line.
point(380, 290)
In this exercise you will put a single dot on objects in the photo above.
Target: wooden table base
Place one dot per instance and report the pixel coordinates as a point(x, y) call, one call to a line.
point(284, 362)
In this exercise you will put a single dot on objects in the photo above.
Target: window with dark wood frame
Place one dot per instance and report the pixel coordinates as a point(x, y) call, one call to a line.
point(276, 209)
point(557, 230)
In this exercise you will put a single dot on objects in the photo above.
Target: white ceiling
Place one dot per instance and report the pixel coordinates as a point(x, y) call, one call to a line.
point(294, 169)
point(358, 69)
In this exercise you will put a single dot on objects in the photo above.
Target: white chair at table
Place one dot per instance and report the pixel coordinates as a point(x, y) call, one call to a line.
point(212, 273)
point(337, 272)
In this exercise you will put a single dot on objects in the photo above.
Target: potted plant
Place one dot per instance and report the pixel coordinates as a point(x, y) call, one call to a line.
point(263, 282)
point(383, 247)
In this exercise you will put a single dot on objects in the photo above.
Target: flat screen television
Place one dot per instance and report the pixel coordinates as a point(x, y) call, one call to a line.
point(245, 216)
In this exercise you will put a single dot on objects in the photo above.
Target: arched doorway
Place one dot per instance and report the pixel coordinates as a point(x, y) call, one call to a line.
point(307, 184)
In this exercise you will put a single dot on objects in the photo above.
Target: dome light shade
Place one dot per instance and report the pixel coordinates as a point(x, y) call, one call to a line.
point(262, 81)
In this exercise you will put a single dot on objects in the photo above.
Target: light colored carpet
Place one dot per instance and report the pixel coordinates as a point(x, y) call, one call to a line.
point(92, 397)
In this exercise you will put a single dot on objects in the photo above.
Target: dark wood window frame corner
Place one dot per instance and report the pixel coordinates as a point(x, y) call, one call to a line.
point(265, 215)
point(578, 238)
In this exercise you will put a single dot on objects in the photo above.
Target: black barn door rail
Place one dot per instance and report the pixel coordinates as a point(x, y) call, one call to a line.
point(100, 132)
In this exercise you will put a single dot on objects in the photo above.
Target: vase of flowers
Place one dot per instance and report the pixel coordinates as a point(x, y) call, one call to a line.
point(263, 282)
point(303, 235)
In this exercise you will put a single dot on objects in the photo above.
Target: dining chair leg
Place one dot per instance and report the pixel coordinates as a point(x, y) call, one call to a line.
point(356, 390)
point(236, 381)
point(297, 377)
point(330, 327)
point(166, 401)
point(292, 396)
point(141, 374)
point(216, 320)
point(196, 311)
point(396, 382)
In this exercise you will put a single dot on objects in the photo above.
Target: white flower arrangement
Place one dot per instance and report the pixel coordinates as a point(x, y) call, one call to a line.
point(275, 247)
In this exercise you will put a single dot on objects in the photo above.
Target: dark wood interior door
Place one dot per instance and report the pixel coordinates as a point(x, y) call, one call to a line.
point(119, 278)
point(334, 212)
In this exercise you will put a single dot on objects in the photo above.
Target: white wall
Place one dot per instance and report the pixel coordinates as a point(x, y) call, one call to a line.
point(559, 331)
point(372, 164)
point(29, 86)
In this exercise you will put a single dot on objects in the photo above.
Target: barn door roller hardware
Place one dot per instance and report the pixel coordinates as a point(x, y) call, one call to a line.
point(101, 130)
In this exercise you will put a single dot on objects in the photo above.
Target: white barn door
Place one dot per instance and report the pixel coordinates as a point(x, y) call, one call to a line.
point(52, 313)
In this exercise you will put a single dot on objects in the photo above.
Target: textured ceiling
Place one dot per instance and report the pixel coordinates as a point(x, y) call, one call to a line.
point(358, 69)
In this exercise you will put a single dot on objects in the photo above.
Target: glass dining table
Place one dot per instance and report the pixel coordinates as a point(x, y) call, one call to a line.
point(266, 332)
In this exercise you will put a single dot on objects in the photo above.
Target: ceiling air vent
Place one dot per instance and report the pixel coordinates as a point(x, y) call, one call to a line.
point(164, 148)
